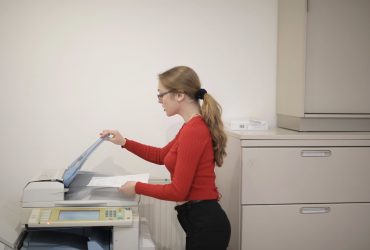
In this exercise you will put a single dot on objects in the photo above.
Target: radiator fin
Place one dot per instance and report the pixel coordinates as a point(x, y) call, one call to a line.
point(164, 227)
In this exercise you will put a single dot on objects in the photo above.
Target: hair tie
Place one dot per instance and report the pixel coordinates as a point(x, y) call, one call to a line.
point(200, 94)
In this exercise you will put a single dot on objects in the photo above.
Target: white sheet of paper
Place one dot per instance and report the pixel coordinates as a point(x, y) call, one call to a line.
point(117, 181)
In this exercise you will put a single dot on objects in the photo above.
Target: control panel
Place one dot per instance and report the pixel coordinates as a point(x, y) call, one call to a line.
point(80, 217)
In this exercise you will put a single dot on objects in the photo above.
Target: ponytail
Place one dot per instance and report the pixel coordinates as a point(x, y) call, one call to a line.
point(211, 113)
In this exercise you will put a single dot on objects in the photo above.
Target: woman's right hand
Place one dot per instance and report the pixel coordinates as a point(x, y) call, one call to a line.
point(113, 136)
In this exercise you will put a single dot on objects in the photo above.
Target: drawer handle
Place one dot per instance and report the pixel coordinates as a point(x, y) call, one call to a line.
point(314, 210)
point(316, 153)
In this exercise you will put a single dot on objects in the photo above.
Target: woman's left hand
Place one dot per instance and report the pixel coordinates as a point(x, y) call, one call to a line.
point(128, 188)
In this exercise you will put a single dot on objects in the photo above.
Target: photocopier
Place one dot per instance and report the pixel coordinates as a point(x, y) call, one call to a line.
point(60, 211)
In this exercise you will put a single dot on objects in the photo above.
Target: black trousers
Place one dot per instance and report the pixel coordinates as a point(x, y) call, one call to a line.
point(206, 225)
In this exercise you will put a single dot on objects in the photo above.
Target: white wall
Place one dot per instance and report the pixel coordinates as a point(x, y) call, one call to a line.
point(69, 69)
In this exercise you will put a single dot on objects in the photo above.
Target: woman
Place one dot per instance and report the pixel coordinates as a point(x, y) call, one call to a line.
point(190, 158)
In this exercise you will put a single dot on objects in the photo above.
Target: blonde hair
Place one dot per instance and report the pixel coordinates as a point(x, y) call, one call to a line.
point(184, 79)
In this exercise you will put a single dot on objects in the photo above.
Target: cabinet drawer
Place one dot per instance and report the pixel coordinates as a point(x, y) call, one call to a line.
point(305, 175)
point(306, 227)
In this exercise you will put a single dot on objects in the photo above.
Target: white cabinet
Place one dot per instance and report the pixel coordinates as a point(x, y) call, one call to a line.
point(323, 73)
point(306, 227)
point(292, 190)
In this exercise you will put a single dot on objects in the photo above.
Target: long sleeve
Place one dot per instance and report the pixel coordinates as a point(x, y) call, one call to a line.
point(149, 153)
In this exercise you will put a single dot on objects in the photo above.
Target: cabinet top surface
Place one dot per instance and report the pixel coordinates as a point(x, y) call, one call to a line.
point(285, 134)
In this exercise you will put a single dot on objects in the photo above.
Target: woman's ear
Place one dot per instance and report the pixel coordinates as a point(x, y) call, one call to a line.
point(180, 96)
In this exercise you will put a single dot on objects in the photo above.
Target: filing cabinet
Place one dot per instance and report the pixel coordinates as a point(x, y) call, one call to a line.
point(285, 190)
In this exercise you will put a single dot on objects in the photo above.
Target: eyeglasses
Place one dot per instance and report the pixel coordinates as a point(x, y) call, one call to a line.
point(160, 96)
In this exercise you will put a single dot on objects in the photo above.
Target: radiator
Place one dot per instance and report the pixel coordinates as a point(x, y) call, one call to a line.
point(164, 227)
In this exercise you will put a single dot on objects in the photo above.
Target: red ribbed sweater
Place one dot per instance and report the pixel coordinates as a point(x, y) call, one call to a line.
point(189, 159)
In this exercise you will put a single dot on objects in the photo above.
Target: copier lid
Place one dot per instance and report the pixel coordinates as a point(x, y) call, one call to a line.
point(10, 229)
point(71, 172)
